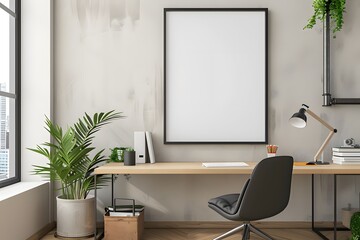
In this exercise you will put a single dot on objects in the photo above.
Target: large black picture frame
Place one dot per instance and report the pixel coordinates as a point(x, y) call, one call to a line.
point(215, 75)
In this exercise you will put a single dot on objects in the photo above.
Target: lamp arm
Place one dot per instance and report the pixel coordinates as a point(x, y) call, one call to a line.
point(321, 149)
point(327, 140)
point(320, 120)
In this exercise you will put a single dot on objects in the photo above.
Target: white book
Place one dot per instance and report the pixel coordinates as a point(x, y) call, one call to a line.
point(345, 162)
point(347, 154)
point(346, 149)
point(150, 146)
point(224, 164)
point(348, 159)
point(123, 214)
point(126, 208)
point(140, 147)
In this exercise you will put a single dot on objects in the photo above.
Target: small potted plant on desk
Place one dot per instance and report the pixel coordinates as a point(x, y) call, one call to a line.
point(70, 163)
point(117, 154)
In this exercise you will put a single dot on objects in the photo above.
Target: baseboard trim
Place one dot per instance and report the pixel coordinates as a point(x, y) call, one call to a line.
point(204, 225)
point(222, 224)
point(42, 232)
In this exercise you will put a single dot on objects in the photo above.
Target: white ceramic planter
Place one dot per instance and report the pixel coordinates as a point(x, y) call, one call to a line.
point(346, 214)
point(75, 218)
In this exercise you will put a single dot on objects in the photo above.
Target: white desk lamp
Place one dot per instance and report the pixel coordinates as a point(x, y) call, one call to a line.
point(299, 120)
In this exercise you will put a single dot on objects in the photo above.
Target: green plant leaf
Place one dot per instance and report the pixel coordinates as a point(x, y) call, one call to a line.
point(69, 155)
point(336, 10)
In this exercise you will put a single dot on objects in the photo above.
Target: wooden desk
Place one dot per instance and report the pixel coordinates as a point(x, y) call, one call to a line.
point(172, 168)
point(197, 168)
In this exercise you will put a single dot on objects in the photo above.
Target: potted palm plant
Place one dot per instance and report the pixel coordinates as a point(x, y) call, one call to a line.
point(71, 162)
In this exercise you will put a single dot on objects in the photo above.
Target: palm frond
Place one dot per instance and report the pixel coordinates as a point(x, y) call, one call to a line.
point(69, 154)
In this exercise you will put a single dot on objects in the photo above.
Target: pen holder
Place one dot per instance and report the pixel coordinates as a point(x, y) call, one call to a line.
point(129, 158)
point(271, 150)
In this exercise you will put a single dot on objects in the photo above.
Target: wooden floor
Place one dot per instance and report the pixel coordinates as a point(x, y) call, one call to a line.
point(206, 234)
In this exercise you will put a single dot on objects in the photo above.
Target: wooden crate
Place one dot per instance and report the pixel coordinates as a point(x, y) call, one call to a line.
point(124, 228)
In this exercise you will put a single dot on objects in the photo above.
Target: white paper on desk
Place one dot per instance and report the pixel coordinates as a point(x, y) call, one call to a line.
point(224, 164)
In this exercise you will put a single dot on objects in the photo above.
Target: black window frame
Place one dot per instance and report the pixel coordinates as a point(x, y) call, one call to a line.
point(17, 16)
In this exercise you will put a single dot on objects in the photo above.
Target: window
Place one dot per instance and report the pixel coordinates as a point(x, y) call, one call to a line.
point(9, 92)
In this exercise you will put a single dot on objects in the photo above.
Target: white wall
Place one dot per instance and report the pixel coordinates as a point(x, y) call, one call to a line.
point(36, 75)
point(26, 212)
point(108, 55)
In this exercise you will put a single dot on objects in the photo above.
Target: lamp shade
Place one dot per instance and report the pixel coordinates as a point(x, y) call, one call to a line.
point(299, 119)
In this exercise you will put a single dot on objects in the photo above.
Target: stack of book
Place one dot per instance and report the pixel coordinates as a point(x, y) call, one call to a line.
point(124, 210)
point(346, 155)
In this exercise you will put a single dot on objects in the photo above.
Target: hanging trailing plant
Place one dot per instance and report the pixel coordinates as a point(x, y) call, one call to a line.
point(336, 9)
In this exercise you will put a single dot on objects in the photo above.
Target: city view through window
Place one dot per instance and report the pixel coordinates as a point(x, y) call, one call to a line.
point(4, 136)
point(9, 76)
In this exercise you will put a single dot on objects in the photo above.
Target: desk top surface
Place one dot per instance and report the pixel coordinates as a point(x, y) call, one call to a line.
point(197, 168)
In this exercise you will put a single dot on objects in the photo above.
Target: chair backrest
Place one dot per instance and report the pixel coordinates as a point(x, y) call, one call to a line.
point(268, 191)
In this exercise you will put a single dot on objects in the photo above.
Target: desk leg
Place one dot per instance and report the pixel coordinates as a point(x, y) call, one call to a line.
point(112, 191)
point(95, 207)
point(312, 203)
point(334, 229)
point(315, 230)
point(335, 203)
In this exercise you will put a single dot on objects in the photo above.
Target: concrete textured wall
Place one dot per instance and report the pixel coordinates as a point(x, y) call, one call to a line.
point(109, 55)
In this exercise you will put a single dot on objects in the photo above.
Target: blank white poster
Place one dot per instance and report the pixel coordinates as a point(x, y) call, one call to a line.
point(215, 76)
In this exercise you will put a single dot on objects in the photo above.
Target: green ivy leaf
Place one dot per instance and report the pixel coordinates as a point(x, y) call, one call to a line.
point(336, 10)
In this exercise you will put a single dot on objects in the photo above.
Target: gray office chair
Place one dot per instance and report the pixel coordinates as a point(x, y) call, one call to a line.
point(265, 194)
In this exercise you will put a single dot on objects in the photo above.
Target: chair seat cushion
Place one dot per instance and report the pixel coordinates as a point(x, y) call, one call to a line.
point(226, 203)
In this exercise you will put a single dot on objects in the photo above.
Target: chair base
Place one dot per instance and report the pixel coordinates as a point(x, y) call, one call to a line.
point(246, 232)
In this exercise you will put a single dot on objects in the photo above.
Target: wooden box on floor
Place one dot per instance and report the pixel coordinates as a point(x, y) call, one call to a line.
point(124, 228)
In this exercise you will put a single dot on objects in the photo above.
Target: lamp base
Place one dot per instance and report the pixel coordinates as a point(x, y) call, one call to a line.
point(317, 163)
